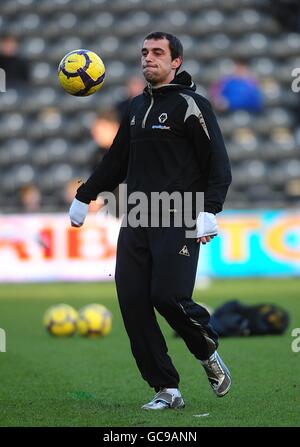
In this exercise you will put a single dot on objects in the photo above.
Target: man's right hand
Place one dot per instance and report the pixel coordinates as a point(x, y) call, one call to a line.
point(78, 212)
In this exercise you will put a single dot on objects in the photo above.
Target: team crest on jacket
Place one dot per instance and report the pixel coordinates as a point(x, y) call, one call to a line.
point(132, 122)
point(163, 117)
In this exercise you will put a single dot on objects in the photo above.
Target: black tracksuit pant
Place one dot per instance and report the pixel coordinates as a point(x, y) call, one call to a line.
point(151, 273)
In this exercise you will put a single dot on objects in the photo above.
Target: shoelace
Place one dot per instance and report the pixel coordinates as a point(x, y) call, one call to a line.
point(215, 366)
point(156, 397)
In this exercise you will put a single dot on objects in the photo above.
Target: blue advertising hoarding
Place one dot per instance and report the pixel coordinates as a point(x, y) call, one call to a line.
point(253, 243)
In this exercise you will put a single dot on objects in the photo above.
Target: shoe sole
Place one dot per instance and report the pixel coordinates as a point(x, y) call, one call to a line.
point(164, 408)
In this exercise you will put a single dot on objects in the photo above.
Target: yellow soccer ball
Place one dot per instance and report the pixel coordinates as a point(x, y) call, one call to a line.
point(81, 72)
point(94, 320)
point(61, 320)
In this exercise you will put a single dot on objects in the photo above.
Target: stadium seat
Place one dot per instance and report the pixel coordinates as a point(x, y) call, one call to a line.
point(9, 100)
point(44, 132)
point(286, 46)
point(33, 47)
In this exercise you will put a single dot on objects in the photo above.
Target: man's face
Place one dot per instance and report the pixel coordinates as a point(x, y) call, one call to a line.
point(157, 64)
point(8, 46)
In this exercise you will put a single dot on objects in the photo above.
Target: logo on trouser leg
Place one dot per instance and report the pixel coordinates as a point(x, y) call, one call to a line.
point(184, 251)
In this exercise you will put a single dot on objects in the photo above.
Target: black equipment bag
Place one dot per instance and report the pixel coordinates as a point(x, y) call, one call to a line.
point(236, 319)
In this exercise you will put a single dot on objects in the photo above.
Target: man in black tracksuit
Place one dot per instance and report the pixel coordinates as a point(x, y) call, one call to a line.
point(169, 140)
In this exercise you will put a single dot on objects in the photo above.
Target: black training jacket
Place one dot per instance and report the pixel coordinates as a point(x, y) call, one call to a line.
point(168, 141)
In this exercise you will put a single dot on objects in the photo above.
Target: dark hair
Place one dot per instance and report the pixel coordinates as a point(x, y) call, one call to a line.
point(175, 45)
point(240, 60)
point(7, 36)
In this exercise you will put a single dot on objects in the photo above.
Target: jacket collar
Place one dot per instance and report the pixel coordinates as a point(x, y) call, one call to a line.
point(182, 80)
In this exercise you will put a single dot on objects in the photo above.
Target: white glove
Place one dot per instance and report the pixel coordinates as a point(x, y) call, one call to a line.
point(206, 224)
point(78, 212)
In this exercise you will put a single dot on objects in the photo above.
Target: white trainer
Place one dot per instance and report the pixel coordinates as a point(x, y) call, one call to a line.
point(164, 400)
point(218, 374)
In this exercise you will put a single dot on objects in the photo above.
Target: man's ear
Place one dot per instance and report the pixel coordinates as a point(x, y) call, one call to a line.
point(176, 62)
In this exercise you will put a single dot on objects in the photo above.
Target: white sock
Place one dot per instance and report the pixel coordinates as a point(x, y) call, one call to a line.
point(174, 391)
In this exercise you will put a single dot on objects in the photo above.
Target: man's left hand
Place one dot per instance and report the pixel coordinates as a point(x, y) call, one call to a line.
point(207, 227)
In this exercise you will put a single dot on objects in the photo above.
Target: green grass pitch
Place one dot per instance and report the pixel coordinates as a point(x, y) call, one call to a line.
point(47, 381)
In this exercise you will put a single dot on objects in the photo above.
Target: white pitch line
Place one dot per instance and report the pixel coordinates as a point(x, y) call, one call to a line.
point(201, 415)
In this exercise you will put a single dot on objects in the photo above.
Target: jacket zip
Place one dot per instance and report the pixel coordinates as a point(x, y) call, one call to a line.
point(148, 110)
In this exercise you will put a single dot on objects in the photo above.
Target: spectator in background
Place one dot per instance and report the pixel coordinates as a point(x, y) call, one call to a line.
point(68, 191)
point(30, 198)
point(103, 130)
point(135, 85)
point(68, 195)
point(238, 91)
point(15, 66)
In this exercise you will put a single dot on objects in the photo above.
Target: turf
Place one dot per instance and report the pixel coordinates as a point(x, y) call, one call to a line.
point(47, 381)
